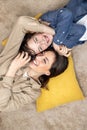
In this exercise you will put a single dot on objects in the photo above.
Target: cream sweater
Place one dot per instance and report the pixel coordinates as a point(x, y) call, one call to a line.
point(18, 91)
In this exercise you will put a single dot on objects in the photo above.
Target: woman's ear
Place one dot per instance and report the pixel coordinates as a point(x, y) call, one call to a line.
point(47, 73)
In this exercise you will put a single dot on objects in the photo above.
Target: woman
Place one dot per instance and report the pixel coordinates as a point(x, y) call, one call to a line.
point(70, 25)
point(20, 78)
point(20, 84)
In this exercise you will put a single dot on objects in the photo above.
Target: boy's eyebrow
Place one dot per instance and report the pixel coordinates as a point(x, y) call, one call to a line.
point(34, 39)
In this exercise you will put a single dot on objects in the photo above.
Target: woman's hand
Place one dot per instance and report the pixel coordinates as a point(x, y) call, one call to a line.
point(62, 50)
point(20, 60)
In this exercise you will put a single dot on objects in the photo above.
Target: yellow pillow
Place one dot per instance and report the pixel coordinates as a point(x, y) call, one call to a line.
point(4, 41)
point(62, 89)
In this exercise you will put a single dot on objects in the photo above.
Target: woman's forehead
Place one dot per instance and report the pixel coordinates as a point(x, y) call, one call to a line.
point(49, 53)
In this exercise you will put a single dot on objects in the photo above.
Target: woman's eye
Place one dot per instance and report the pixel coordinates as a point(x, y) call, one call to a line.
point(44, 61)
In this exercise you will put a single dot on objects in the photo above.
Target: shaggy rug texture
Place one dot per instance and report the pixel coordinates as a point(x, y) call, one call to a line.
point(71, 116)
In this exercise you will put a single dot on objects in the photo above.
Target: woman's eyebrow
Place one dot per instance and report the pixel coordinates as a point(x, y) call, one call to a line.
point(47, 59)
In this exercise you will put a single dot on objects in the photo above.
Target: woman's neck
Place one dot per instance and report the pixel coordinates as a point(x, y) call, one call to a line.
point(33, 74)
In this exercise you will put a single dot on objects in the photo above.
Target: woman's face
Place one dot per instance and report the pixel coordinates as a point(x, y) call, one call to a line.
point(43, 62)
point(39, 42)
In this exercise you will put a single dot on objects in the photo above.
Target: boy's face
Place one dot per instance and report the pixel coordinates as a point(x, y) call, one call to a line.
point(39, 42)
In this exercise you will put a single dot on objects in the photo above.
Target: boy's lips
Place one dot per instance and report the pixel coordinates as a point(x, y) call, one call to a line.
point(46, 38)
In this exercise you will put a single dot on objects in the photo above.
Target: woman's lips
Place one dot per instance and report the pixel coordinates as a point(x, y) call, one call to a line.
point(35, 62)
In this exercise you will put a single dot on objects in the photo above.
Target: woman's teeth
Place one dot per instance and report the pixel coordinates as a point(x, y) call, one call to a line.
point(35, 63)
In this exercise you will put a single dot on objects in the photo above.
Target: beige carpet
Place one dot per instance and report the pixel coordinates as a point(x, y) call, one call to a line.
point(72, 116)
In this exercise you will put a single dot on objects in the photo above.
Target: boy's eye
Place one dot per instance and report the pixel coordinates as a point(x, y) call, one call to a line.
point(40, 49)
point(36, 39)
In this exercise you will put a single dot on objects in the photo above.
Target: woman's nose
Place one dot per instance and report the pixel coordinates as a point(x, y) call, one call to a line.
point(39, 56)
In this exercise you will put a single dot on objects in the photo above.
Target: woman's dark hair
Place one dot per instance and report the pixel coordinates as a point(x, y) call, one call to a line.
point(60, 64)
point(24, 46)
